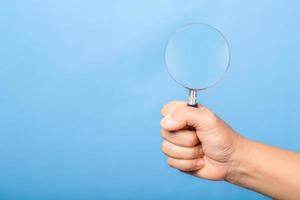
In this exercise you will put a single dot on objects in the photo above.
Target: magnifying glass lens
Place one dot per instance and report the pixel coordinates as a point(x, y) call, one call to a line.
point(197, 56)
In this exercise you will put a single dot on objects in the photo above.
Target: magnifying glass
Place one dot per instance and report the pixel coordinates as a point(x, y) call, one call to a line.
point(197, 56)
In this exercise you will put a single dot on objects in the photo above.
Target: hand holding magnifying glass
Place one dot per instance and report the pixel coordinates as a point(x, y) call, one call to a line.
point(198, 142)
point(197, 56)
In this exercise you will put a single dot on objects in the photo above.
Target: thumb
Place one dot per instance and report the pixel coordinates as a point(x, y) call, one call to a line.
point(185, 116)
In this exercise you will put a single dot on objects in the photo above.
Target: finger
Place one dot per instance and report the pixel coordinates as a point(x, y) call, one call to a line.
point(172, 106)
point(184, 116)
point(186, 165)
point(179, 152)
point(184, 138)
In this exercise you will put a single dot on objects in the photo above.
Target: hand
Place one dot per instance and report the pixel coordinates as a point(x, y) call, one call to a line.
point(196, 141)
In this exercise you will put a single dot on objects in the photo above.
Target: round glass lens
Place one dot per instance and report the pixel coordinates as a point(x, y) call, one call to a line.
point(197, 56)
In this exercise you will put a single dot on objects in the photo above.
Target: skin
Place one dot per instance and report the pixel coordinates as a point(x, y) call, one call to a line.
point(198, 142)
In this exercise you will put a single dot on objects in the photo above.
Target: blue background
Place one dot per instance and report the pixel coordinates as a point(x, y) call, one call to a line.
point(82, 84)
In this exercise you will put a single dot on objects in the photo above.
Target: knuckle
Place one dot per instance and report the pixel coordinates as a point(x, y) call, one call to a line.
point(163, 146)
point(191, 140)
point(187, 167)
point(170, 163)
point(194, 152)
point(199, 150)
point(169, 107)
point(165, 108)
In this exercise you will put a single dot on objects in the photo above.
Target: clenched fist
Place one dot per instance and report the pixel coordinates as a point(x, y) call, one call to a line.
point(198, 142)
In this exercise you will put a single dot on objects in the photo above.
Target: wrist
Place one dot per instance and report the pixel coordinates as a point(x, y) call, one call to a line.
point(242, 147)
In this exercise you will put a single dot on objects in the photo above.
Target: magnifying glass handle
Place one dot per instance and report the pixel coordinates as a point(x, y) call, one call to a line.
point(192, 100)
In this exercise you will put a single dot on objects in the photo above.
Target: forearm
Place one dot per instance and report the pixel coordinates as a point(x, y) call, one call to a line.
point(271, 171)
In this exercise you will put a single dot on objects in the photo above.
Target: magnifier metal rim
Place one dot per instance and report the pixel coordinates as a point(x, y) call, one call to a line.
point(183, 28)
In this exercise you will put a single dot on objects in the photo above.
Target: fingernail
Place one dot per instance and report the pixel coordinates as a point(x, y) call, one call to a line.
point(167, 121)
point(200, 163)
